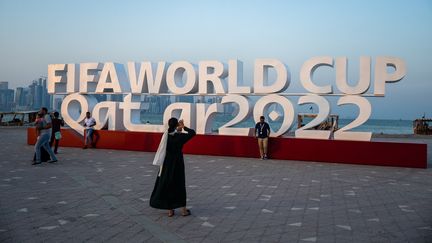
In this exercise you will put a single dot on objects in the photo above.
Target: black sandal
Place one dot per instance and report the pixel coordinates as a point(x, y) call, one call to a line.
point(188, 212)
point(171, 213)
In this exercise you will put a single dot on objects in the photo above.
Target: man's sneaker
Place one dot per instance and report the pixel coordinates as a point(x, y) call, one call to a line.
point(36, 163)
point(52, 161)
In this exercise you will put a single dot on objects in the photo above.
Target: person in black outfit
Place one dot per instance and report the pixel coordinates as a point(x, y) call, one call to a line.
point(56, 124)
point(262, 132)
point(170, 189)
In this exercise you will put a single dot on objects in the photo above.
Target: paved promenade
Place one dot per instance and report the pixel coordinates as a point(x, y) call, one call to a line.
point(102, 196)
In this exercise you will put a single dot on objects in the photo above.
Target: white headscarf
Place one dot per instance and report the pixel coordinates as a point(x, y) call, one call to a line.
point(161, 151)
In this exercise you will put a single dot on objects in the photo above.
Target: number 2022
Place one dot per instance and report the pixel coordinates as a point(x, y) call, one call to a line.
point(288, 116)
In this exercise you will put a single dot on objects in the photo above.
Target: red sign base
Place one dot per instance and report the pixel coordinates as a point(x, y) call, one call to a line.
point(334, 151)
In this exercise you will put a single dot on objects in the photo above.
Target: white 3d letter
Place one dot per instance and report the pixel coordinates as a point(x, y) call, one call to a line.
point(211, 72)
point(365, 111)
point(341, 65)
point(175, 72)
point(323, 112)
point(131, 116)
point(89, 75)
point(56, 84)
point(108, 111)
point(113, 77)
point(306, 74)
point(235, 77)
point(53, 78)
point(185, 111)
point(243, 111)
point(288, 117)
point(146, 82)
point(261, 76)
point(74, 108)
point(381, 75)
point(205, 114)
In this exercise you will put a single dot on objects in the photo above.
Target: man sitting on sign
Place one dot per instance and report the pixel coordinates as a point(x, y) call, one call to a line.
point(89, 123)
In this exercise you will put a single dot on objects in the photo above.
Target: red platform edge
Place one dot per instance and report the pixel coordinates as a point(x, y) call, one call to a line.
point(410, 155)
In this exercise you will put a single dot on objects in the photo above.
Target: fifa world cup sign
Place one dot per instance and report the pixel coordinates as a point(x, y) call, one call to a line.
point(80, 82)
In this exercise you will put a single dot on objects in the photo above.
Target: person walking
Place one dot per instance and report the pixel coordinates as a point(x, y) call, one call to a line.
point(170, 188)
point(56, 134)
point(44, 137)
point(262, 133)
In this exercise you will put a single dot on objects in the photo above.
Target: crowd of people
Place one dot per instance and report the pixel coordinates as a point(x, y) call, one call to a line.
point(169, 192)
point(44, 130)
point(48, 135)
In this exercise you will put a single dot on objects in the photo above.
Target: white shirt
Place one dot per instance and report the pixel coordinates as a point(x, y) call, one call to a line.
point(47, 119)
point(89, 121)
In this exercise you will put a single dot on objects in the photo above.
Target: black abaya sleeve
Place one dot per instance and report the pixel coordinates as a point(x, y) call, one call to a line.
point(187, 136)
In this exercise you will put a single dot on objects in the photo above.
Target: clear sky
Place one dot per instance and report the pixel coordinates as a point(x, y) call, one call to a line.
point(34, 34)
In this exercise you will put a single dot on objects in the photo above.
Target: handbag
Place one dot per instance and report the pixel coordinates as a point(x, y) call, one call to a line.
point(57, 135)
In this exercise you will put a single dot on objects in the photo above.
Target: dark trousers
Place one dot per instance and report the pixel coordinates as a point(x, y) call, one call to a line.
point(44, 155)
point(55, 141)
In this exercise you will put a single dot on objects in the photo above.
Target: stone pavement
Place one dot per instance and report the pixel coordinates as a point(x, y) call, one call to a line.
point(102, 195)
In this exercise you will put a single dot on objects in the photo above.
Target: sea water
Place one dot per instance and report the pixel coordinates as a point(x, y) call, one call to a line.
point(377, 126)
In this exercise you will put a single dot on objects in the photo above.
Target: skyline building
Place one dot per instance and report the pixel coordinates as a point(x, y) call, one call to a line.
point(4, 85)
point(6, 96)
point(155, 104)
point(28, 98)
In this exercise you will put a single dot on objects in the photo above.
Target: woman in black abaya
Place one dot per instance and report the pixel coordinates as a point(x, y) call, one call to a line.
point(170, 190)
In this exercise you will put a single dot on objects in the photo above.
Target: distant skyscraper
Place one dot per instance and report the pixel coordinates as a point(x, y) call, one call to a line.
point(186, 98)
point(33, 97)
point(6, 97)
point(155, 104)
point(21, 99)
point(37, 99)
point(115, 97)
point(28, 99)
point(46, 98)
point(39, 96)
point(18, 94)
point(4, 85)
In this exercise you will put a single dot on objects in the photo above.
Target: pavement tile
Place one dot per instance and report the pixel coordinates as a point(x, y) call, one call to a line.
point(102, 195)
